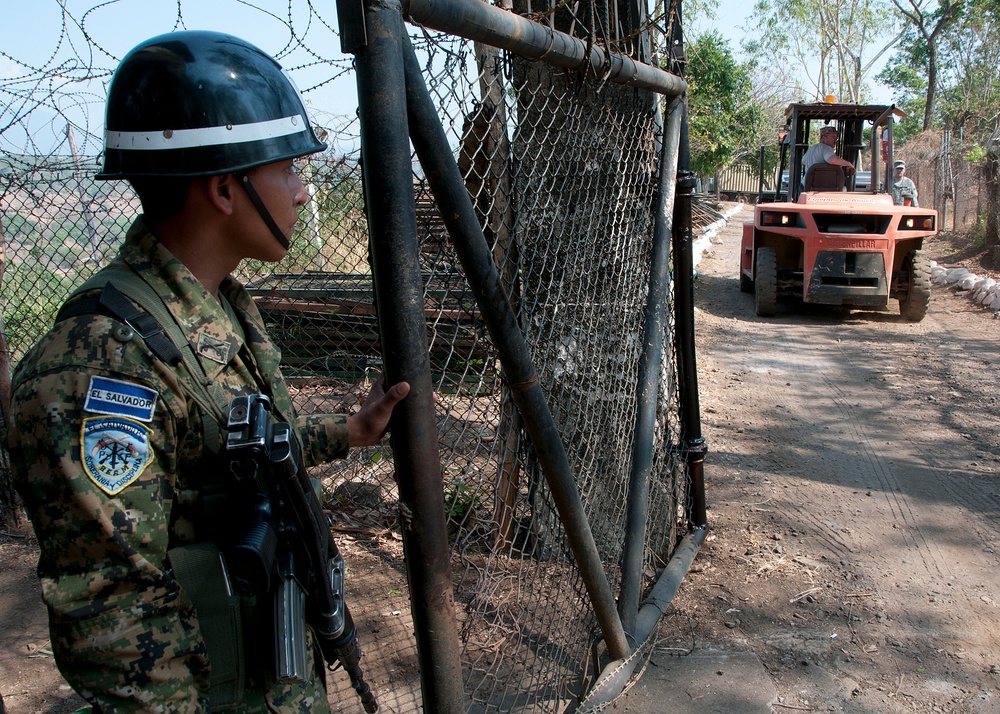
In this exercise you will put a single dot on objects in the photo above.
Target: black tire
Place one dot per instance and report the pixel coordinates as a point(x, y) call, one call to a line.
point(746, 284)
point(913, 306)
point(766, 282)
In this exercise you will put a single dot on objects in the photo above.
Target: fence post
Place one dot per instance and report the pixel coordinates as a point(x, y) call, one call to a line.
point(657, 307)
point(687, 371)
point(399, 295)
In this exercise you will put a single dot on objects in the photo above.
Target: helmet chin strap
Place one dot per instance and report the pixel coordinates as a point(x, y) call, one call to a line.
point(262, 209)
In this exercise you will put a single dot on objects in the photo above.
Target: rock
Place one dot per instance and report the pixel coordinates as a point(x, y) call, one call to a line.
point(968, 281)
point(955, 274)
point(985, 284)
point(366, 495)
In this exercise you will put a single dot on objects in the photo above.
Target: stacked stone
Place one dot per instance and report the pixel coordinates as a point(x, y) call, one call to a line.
point(983, 291)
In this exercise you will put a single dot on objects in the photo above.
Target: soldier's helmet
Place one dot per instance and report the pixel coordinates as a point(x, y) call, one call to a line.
point(199, 103)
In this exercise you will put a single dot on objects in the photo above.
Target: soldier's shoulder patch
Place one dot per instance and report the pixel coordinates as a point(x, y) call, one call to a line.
point(119, 398)
point(115, 451)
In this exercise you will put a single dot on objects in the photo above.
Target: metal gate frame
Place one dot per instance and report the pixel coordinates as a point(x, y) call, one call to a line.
point(395, 109)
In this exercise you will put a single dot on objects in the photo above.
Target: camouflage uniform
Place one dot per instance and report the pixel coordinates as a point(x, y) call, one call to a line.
point(903, 188)
point(124, 632)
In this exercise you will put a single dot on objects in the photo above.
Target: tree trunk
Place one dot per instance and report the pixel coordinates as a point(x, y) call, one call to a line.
point(485, 163)
point(932, 57)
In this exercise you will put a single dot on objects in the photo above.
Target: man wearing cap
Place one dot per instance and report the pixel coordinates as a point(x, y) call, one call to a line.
point(824, 151)
point(119, 412)
point(904, 191)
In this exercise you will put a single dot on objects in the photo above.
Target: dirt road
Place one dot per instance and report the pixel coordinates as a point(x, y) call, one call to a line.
point(854, 496)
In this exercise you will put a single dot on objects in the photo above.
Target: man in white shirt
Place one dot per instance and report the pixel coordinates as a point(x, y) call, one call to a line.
point(823, 152)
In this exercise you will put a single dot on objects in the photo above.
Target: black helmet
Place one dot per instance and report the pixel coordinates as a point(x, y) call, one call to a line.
point(199, 103)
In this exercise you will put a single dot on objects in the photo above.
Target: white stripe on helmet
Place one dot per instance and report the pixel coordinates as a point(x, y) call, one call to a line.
point(208, 136)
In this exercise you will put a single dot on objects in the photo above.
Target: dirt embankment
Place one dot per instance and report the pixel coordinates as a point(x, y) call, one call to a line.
point(854, 497)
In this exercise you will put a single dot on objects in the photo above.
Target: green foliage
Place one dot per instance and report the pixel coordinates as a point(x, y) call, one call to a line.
point(970, 55)
point(977, 233)
point(725, 119)
point(342, 225)
point(25, 321)
point(905, 73)
point(947, 57)
point(975, 154)
point(459, 499)
point(22, 228)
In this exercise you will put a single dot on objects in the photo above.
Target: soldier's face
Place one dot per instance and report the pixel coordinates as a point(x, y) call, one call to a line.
point(282, 192)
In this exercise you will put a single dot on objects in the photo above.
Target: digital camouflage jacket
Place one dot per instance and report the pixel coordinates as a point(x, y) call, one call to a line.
point(109, 457)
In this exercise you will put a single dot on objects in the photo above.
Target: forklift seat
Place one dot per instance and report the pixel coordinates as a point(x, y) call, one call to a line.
point(824, 177)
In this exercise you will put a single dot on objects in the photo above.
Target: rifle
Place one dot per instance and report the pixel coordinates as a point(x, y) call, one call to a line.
point(288, 547)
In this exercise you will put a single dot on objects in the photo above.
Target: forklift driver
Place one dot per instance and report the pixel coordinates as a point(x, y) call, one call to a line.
point(823, 152)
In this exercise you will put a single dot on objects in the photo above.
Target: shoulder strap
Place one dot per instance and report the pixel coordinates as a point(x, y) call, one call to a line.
point(113, 303)
point(120, 288)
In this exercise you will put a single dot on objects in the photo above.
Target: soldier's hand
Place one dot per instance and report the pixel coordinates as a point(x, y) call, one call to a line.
point(372, 420)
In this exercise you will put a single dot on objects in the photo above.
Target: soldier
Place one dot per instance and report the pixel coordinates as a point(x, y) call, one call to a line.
point(904, 191)
point(118, 413)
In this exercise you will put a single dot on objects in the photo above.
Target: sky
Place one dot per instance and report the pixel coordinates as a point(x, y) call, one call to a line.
point(32, 29)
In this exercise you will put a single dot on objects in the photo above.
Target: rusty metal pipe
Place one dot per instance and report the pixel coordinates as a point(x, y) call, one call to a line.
point(657, 306)
point(481, 22)
point(394, 255)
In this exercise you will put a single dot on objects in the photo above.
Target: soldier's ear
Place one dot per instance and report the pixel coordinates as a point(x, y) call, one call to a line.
point(220, 191)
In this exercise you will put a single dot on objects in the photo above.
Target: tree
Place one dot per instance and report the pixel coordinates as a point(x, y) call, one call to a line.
point(835, 43)
point(970, 90)
point(909, 84)
point(726, 121)
point(965, 97)
point(929, 23)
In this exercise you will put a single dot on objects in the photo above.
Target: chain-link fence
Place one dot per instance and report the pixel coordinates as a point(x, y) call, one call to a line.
point(563, 170)
point(991, 173)
point(949, 178)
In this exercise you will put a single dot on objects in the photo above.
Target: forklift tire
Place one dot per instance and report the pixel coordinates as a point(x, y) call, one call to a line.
point(746, 284)
point(914, 305)
point(766, 283)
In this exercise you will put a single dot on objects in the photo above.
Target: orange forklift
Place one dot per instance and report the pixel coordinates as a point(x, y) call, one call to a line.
point(832, 237)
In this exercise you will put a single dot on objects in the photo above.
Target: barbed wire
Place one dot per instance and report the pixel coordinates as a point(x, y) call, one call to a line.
point(65, 87)
point(60, 79)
